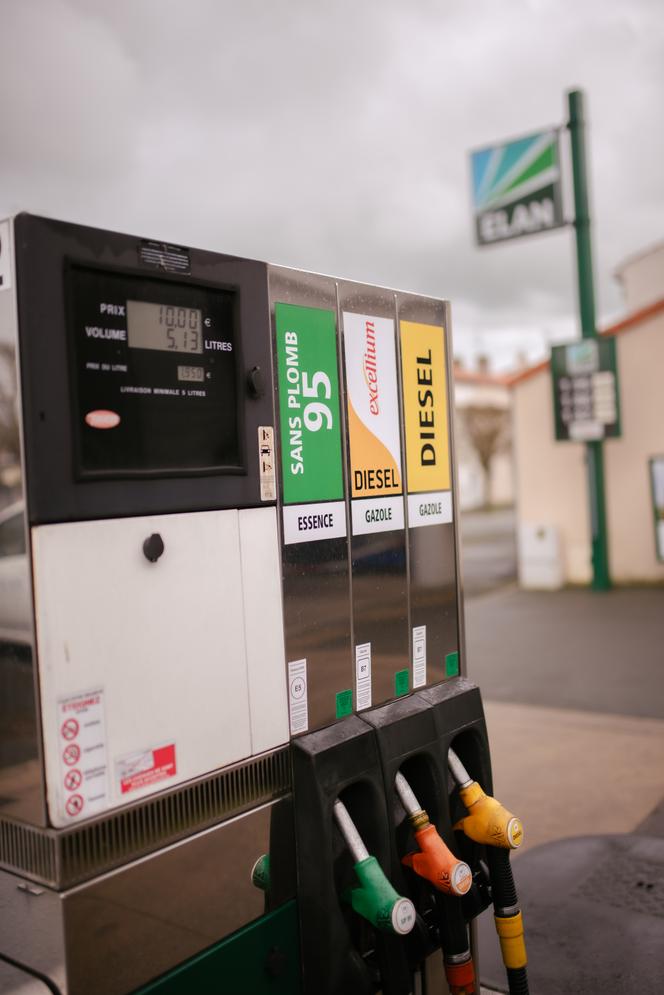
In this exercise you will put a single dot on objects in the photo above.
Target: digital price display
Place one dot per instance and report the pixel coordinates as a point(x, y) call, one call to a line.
point(156, 375)
point(192, 374)
point(164, 326)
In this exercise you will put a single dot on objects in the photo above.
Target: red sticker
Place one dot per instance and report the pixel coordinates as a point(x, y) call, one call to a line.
point(73, 780)
point(102, 419)
point(148, 767)
point(74, 805)
point(70, 729)
point(71, 754)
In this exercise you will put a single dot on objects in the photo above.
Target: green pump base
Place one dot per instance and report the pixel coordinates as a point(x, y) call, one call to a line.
point(261, 959)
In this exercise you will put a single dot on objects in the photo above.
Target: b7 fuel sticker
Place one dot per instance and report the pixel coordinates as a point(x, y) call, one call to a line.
point(310, 423)
point(83, 789)
point(426, 424)
point(145, 768)
point(363, 676)
point(419, 656)
point(373, 423)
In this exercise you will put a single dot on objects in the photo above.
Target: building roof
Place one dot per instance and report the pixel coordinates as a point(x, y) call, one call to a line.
point(631, 321)
point(650, 250)
point(480, 379)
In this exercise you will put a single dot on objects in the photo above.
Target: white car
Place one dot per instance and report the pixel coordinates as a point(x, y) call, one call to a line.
point(15, 595)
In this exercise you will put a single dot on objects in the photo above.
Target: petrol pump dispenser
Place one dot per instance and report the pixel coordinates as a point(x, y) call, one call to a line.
point(234, 619)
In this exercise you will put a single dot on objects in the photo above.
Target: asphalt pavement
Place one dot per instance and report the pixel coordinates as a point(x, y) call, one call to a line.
point(573, 687)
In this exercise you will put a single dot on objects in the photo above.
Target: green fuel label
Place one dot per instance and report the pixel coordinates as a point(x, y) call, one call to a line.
point(309, 404)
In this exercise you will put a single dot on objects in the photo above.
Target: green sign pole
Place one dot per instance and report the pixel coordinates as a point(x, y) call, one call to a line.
point(595, 455)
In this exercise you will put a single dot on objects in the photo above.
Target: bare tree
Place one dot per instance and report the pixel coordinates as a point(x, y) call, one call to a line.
point(488, 429)
point(9, 429)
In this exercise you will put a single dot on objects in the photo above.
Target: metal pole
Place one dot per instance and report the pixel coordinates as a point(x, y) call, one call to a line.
point(594, 450)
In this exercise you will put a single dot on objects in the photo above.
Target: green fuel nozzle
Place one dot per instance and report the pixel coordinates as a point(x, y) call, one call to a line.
point(375, 899)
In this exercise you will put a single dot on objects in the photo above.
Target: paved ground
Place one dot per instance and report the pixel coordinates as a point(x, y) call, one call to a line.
point(570, 649)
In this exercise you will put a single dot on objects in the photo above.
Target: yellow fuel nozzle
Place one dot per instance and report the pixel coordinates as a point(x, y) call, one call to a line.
point(488, 822)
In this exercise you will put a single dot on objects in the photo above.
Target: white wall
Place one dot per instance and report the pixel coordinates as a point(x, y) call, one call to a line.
point(550, 476)
point(640, 354)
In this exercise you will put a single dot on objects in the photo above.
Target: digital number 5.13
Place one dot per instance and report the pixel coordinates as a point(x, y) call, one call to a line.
point(316, 412)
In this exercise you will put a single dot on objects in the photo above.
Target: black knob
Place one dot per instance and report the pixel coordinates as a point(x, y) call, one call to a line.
point(255, 383)
point(153, 547)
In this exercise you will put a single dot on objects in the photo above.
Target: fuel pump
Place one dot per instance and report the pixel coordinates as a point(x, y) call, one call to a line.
point(234, 608)
point(452, 878)
point(492, 825)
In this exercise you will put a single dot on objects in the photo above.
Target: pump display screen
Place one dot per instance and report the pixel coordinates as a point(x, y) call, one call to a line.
point(164, 326)
point(156, 375)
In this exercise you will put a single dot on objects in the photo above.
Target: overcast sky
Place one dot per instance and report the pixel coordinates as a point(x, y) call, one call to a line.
point(334, 136)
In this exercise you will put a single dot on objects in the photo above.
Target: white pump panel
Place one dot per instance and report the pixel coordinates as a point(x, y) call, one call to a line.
point(147, 659)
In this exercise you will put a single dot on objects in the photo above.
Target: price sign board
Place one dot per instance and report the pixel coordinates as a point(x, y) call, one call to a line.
point(585, 390)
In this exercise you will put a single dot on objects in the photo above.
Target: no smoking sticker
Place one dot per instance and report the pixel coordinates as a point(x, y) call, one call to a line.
point(74, 805)
point(71, 754)
point(70, 729)
point(73, 780)
point(82, 786)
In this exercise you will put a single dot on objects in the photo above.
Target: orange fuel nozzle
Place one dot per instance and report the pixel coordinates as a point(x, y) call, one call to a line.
point(434, 861)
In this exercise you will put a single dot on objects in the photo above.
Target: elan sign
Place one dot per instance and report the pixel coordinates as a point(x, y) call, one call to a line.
point(516, 188)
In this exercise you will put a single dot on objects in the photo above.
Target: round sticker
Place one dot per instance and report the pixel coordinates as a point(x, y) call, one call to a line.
point(102, 419)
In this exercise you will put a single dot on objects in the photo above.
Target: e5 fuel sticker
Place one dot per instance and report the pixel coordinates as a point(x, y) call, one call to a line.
point(373, 423)
point(425, 415)
point(310, 422)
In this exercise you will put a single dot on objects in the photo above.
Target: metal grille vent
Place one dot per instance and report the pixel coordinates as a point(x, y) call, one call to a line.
point(634, 885)
point(62, 859)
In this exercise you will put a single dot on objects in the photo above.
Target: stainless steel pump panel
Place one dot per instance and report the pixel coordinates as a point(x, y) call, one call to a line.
point(228, 504)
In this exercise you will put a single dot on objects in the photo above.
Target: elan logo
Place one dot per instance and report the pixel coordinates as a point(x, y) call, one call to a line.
point(102, 419)
point(370, 367)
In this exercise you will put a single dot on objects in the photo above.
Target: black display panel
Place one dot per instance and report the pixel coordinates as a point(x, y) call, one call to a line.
point(156, 374)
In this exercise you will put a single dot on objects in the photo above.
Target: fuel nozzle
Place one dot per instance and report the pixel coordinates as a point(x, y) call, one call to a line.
point(489, 823)
point(375, 899)
point(434, 860)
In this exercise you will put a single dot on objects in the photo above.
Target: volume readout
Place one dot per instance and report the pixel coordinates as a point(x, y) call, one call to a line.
point(192, 374)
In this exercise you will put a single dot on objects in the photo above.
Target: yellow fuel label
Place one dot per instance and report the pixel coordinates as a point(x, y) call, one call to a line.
point(425, 407)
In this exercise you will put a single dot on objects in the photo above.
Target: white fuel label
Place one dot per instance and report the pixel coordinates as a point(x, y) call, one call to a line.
point(298, 703)
point(83, 788)
point(363, 676)
point(419, 656)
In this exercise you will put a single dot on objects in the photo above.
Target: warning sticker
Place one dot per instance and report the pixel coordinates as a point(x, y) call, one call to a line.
point(145, 768)
point(266, 463)
point(83, 789)
point(297, 696)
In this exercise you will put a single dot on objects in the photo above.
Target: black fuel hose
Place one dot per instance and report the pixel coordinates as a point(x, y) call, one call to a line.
point(509, 924)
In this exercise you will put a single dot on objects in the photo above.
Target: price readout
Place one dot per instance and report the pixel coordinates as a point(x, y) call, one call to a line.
point(192, 374)
point(164, 326)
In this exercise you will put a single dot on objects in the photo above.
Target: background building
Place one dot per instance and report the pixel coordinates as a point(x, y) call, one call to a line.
point(483, 437)
point(551, 477)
